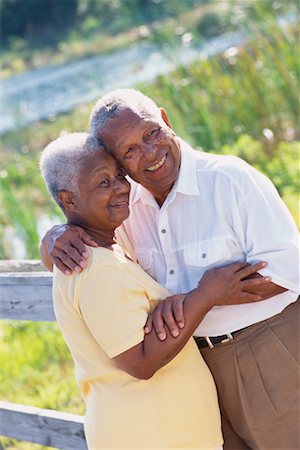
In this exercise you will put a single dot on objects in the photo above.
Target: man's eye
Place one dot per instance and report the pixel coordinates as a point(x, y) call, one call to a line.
point(104, 182)
point(129, 152)
point(154, 132)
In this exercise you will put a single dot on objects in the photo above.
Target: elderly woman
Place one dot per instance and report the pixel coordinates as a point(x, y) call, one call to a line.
point(140, 392)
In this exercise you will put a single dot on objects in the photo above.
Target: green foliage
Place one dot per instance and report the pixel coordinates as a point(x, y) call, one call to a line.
point(112, 15)
point(20, 18)
point(212, 24)
point(37, 370)
point(23, 197)
point(246, 90)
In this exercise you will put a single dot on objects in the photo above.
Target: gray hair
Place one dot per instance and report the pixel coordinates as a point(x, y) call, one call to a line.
point(113, 103)
point(62, 159)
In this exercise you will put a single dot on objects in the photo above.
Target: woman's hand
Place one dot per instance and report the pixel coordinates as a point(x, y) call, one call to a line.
point(64, 246)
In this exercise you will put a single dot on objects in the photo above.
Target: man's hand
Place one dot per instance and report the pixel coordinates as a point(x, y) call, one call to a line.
point(264, 290)
point(64, 246)
point(230, 285)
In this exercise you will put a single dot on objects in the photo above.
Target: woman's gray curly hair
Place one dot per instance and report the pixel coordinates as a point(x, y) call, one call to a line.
point(61, 161)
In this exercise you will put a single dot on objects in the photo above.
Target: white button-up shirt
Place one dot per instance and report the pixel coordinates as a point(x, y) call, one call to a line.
point(220, 210)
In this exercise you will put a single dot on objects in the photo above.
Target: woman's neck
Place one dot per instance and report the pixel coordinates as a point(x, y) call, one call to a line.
point(104, 238)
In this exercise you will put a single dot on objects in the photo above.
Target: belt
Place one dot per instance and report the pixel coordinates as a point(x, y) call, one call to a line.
point(211, 342)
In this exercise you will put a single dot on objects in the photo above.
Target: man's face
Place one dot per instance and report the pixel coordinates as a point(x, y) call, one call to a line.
point(146, 147)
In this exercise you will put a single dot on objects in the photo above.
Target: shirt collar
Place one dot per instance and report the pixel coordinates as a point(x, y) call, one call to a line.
point(186, 182)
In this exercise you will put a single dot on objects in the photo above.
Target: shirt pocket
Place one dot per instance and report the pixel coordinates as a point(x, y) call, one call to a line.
point(210, 252)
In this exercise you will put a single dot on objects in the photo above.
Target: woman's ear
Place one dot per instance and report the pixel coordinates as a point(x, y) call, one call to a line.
point(68, 200)
point(165, 117)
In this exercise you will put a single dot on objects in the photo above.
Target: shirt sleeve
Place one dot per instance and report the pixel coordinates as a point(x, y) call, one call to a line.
point(115, 308)
point(268, 231)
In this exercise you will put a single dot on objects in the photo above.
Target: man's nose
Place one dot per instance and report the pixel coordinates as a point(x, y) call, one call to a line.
point(149, 151)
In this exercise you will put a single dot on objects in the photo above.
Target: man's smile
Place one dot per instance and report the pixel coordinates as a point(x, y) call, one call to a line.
point(157, 166)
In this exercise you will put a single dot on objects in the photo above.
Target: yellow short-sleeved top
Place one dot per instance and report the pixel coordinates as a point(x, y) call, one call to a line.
point(102, 312)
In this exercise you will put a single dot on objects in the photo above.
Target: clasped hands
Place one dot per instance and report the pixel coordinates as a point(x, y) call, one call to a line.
point(231, 285)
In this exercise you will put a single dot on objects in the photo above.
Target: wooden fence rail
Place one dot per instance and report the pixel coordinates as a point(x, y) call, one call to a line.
point(26, 294)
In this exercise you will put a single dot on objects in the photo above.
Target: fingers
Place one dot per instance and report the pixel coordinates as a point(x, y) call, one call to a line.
point(88, 240)
point(69, 251)
point(148, 326)
point(247, 297)
point(255, 282)
point(251, 269)
point(235, 267)
point(61, 266)
point(170, 322)
point(69, 259)
point(158, 324)
point(178, 313)
point(77, 251)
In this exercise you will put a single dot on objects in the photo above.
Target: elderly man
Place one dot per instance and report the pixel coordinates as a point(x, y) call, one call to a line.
point(191, 211)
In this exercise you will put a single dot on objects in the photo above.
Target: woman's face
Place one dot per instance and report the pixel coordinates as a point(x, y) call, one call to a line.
point(102, 201)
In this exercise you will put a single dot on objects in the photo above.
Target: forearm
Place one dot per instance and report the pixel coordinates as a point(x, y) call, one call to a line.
point(158, 353)
point(152, 354)
point(223, 286)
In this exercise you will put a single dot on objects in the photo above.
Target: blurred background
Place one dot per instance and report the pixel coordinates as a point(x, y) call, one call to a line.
point(226, 71)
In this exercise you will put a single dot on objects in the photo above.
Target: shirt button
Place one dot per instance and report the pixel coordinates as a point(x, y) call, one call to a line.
point(163, 230)
point(203, 255)
point(171, 272)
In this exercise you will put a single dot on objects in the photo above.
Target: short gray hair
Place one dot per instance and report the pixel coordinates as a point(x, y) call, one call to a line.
point(62, 159)
point(113, 103)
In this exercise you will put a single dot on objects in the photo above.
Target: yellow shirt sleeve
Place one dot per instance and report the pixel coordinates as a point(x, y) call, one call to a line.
point(115, 308)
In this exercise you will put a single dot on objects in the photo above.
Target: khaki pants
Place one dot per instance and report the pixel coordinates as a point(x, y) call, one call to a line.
point(257, 377)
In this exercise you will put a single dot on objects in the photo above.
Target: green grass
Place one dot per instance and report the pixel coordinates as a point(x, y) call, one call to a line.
point(37, 370)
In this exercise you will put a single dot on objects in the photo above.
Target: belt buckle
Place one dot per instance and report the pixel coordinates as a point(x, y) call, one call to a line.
point(211, 345)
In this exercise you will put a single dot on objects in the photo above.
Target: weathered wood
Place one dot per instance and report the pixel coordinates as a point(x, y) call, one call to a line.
point(42, 426)
point(21, 265)
point(26, 296)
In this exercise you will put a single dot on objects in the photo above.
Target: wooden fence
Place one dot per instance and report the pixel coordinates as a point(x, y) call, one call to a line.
point(25, 294)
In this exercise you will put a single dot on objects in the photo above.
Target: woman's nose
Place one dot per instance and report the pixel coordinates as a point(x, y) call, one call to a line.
point(122, 186)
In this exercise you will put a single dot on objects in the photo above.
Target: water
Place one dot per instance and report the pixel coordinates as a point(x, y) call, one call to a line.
point(43, 93)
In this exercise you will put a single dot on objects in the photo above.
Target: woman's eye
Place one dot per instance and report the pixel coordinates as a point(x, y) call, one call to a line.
point(104, 182)
point(121, 174)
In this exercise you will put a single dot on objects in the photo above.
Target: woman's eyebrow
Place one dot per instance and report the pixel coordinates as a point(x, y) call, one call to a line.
point(95, 170)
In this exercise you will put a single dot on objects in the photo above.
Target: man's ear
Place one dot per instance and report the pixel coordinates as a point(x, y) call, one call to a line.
point(68, 200)
point(165, 117)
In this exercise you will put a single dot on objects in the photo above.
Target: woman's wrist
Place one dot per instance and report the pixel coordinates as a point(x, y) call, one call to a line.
point(201, 298)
